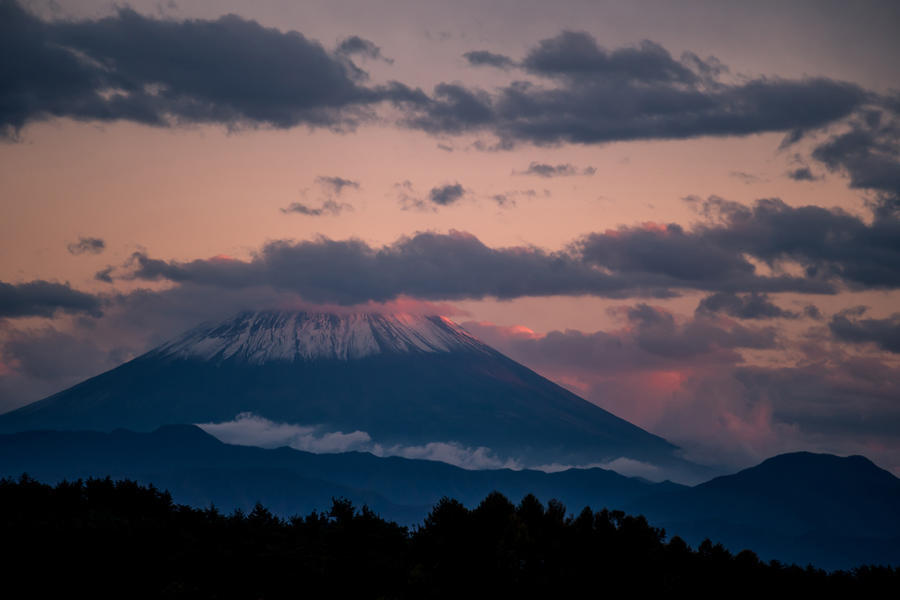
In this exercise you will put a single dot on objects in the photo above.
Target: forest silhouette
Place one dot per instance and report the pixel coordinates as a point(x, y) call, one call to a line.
point(121, 539)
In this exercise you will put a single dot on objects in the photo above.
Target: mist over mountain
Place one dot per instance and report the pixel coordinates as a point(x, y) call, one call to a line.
point(399, 380)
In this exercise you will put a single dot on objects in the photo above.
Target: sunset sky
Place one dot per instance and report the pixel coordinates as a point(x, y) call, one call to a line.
point(686, 212)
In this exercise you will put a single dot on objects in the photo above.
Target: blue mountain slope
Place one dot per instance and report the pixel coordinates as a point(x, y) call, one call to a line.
point(401, 379)
point(832, 511)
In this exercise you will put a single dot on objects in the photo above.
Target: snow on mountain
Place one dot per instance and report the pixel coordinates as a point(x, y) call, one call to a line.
point(266, 336)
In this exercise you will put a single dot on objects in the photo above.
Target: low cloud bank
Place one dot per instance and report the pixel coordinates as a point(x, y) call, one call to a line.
point(248, 429)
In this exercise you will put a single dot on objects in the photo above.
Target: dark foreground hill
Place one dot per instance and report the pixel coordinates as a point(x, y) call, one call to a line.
point(805, 508)
point(105, 539)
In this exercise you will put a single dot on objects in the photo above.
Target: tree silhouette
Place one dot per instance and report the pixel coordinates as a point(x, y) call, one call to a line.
point(108, 538)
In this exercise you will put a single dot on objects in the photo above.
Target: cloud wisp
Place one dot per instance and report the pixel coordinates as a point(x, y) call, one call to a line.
point(561, 170)
point(439, 196)
point(333, 187)
point(247, 429)
point(251, 430)
point(86, 245)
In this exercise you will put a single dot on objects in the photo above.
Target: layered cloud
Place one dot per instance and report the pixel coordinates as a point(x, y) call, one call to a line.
point(884, 333)
point(868, 151)
point(745, 306)
point(764, 248)
point(235, 72)
point(580, 92)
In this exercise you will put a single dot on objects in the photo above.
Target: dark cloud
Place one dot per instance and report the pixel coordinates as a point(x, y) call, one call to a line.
point(576, 55)
point(104, 275)
point(802, 174)
point(362, 47)
point(235, 72)
point(812, 311)
point(328, 207)
point(631, 93)
point(87, 245)
point(545, 170)
point(675, 258)
point(509, 199)
point(745, 177)
point(483, 58)
point(804, 249)
point(427, 265)
point(443, 195)
point(453, 108)
point(837, 398)
point(869, 153)
point(687, 380)
point(164, 72)
point(828, 244)
point(658, 334)
point(672, 376)
point(651, 341)
point(336, 185)
point(744, 306)
point(446, 195)
point(653, 261)
point(44, 299)
point(885, 333)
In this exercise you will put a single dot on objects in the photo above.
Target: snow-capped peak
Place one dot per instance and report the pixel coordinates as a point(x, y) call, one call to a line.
point(264, 336)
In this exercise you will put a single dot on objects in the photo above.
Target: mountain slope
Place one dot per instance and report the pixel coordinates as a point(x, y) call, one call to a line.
point(401, 379)
point(832, 511)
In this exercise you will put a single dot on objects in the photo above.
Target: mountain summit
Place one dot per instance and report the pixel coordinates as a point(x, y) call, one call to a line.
point(402, 379)
point(269, 336)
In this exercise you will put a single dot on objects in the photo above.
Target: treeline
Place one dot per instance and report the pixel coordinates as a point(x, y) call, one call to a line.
point(100, 538)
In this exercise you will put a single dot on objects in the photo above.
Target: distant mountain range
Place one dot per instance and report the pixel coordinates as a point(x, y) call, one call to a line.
point(401, 379)
point(805, 508)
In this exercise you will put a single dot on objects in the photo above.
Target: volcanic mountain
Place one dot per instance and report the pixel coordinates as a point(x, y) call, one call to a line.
point(402, 379)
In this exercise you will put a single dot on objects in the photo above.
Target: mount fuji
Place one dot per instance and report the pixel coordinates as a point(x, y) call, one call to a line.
point(401, 379)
